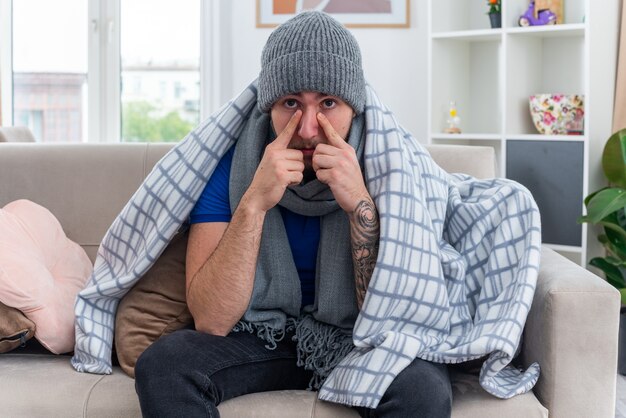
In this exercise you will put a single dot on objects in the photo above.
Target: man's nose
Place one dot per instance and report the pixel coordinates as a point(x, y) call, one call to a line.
point(309, 126)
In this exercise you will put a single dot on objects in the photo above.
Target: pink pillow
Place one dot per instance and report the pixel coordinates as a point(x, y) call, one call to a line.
point(41, 271)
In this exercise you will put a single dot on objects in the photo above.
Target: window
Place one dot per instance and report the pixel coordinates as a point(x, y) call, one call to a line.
point(106, 70)
point(160, 69)
point(50, 72)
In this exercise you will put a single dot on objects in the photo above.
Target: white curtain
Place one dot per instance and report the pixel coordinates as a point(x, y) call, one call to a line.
point(619, 111)
point(0, 99)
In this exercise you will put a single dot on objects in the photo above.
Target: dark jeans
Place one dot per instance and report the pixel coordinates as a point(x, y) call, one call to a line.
point(188, 373)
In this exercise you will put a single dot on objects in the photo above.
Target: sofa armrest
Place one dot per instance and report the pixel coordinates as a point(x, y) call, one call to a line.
point(571, 332)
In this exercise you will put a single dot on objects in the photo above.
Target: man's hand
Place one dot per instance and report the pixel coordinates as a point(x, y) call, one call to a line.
point(336, 164)
point(279, 168)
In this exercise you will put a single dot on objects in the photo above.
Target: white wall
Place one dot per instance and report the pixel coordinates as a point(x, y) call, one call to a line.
point(394, 60)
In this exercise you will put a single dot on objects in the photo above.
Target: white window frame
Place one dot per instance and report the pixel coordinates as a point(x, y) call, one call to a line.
point(103, 75)
point(211, 45)
point(104, 65)
point(6, 62)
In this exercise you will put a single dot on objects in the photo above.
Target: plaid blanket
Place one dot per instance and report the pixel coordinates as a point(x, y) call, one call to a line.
point(455, 276)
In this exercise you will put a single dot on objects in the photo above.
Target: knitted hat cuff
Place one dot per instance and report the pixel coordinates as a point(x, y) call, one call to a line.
point(316, 71)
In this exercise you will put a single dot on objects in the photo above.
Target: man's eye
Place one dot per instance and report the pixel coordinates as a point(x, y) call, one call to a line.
point(290, 103)
point(329, 103)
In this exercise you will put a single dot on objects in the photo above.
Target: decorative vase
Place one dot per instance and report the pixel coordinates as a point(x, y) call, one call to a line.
point(621, 353)
point(496, 20)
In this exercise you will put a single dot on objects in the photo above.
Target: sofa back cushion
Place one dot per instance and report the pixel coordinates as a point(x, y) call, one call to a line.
point(86, 185)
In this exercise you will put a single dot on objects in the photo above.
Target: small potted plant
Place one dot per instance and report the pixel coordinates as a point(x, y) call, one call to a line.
point(495, 13)
point(607, 208)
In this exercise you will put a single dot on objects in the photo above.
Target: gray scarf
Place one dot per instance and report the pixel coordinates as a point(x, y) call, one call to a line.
point(322, 330)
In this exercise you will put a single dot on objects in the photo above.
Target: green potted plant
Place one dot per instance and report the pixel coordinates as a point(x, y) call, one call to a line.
point(607, 208)
point(495, 13)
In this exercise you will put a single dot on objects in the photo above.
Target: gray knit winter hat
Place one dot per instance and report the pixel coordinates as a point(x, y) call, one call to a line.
point(311, 52)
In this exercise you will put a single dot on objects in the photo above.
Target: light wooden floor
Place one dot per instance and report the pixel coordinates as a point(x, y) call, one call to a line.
point(620, 404)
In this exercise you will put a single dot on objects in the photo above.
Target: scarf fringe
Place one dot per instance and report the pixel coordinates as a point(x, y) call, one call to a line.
point(263, 330)
point(320, 347)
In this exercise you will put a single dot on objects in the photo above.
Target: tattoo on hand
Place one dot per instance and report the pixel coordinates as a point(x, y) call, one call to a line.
point(365, 231)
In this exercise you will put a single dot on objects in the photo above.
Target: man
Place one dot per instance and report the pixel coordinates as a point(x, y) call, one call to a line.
point(301, 208)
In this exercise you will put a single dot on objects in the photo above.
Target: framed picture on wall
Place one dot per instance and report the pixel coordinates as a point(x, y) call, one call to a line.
point(352, 13)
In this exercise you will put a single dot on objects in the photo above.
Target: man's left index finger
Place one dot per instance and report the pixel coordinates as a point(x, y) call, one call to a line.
point(333, 137)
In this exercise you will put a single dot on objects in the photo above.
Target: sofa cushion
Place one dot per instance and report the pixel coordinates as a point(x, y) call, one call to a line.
point(15, 328)
point(34, 385)
point(62, 392)
point(41, 272)
point(154, 307)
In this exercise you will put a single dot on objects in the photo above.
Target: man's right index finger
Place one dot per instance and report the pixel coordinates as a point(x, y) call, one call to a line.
point(285, 136)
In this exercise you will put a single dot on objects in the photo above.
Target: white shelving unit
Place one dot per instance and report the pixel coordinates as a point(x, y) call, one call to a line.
point(490, 73)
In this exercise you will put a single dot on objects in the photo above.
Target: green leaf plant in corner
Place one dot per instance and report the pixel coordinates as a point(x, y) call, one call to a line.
point(606, 208)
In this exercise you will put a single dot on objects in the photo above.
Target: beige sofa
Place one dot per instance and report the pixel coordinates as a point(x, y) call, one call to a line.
point(571, 330)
